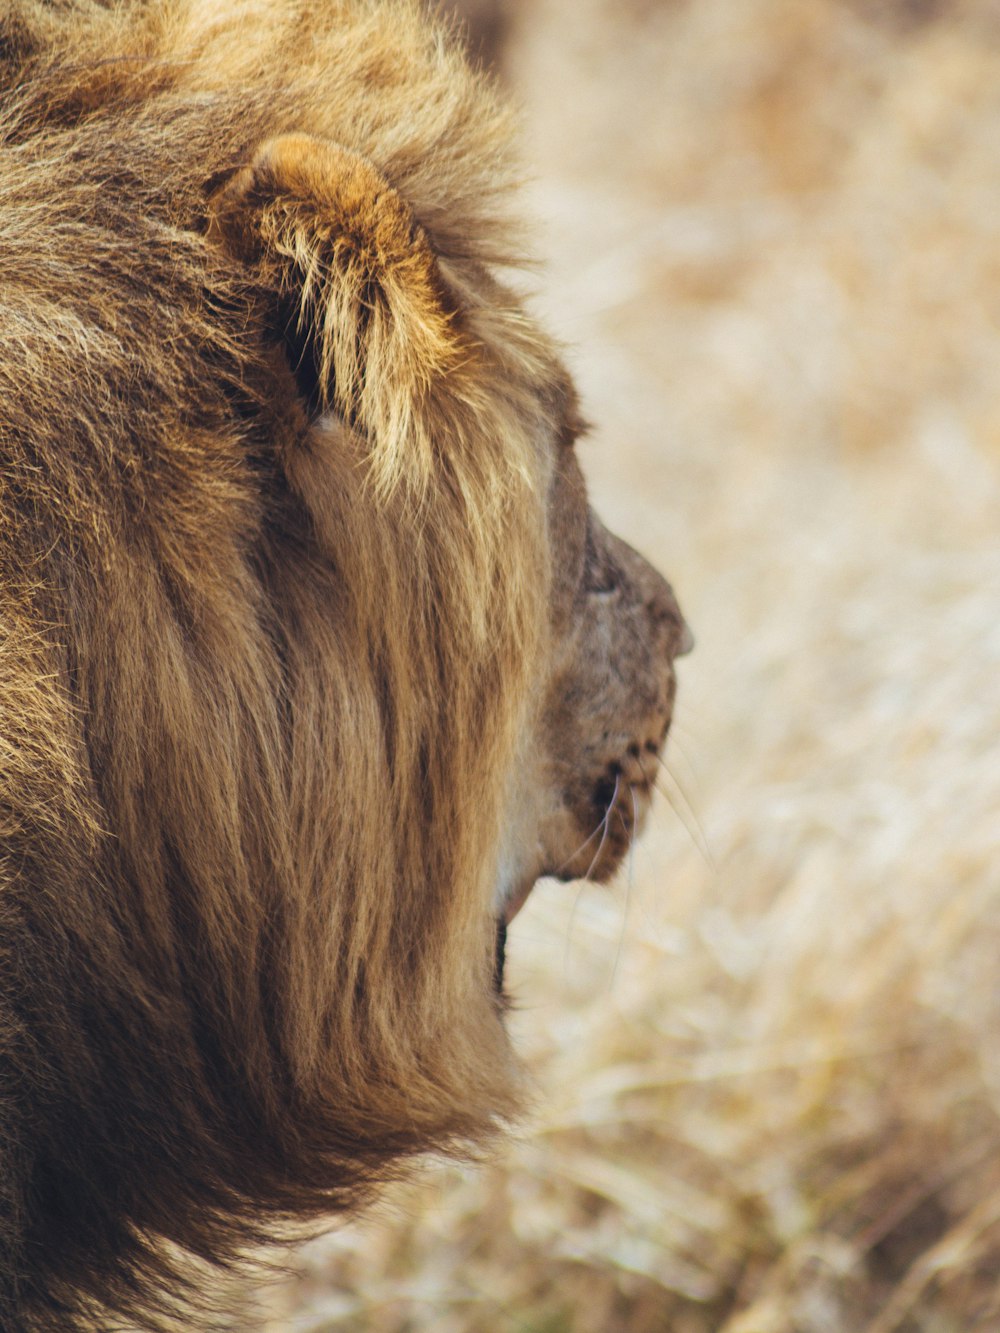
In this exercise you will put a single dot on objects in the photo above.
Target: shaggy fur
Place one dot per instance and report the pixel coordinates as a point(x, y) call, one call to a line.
point(275, 554)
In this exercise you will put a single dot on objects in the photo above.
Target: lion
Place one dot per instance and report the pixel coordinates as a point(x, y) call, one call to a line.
point(313, 656)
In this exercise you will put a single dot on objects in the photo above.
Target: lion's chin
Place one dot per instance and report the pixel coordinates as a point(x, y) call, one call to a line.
point(613, 826)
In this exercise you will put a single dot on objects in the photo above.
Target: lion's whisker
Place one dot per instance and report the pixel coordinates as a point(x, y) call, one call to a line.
point(687, 781)
point(686, 813)
point(589, 839)
point(606, 826)
point(602, 828)
point(632, 835)
point(631, 832)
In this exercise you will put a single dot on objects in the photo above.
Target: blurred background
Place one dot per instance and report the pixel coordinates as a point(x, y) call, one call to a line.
point(766, 1061)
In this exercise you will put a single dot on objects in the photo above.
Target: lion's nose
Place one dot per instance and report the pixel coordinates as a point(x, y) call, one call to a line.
point(661, 603)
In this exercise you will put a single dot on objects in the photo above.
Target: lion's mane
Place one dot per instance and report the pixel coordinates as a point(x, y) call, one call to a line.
point(272, 589)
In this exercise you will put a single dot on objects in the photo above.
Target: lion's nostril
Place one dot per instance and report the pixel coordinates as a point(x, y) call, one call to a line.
point(633, 750)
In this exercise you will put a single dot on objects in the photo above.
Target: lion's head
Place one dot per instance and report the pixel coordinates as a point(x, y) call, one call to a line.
point(313, 657)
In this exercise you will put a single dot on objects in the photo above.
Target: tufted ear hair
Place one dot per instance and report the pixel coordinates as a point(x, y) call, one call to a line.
point(365, 308)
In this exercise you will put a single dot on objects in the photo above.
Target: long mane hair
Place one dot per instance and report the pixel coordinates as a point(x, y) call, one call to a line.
point(272, 591)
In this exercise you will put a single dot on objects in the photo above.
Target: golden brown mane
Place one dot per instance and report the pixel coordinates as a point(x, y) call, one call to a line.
point(261, 677)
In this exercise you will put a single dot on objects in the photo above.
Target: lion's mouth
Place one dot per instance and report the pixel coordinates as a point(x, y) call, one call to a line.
point(596, 833)
point(607, 819)
point(501, 955)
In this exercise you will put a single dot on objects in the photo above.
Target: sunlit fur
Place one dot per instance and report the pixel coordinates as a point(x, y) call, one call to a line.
point(272, 597)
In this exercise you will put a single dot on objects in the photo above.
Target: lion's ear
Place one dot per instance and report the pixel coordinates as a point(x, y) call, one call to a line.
point(365, 307)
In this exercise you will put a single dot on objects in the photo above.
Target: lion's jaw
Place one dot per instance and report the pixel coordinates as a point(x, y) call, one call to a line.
point(584, 783)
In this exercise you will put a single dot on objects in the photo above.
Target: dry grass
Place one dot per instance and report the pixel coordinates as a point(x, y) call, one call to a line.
point(768, 1063)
